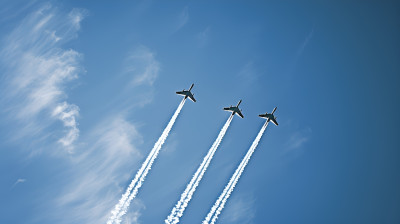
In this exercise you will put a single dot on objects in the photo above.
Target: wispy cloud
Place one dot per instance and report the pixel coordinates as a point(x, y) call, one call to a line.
point(132, 217)
point(203, 37)
point(305, 43)
point(140, 70)
point(98, 170)
point(248, 73)
point(299, 52)
point(143, 66)
point(67, 113)
point(37, 70)
point(12, 9)
point(241, 209)
point(183, 18)
point(18, 182)
point(296, 140)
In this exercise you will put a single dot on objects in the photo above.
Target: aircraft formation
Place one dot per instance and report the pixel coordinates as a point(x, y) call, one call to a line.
point(122, 206)
point(234, 109)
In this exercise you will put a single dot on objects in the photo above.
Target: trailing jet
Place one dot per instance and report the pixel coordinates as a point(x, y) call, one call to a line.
point(187, 93)
point(235, 109)
point(270, 117)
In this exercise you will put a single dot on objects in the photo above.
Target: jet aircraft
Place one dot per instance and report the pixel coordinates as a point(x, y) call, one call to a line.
point(235, 109)
point(270, 117)
point(187, 93)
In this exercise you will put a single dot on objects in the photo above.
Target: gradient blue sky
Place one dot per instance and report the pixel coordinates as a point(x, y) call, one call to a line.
point(87, 88)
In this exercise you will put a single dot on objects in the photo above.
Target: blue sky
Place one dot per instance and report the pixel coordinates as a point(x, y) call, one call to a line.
point(87, 88)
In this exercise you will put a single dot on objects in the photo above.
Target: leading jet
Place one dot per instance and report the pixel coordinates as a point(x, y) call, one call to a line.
point(187, 93)
point(235, 110)
point(270, 117)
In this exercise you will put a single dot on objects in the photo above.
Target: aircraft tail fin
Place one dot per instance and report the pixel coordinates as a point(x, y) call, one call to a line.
point(274, 121)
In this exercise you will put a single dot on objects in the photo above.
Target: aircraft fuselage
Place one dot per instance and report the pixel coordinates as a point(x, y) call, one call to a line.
point(270, 117)
point(187, 93)
point(235, 109)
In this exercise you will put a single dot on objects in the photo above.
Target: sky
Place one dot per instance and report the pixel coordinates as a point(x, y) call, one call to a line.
point(86, 89)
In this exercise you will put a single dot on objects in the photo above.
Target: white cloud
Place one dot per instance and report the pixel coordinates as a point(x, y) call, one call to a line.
point(94, 188)
point(76, 16)
point(239, 209)
point(296, 140)
point(140, 70)
point(37, 70)
point(67, 113)
point(132, 217)
point(18, 182)
point(54, 36)
point(305, 43)
point(143, 66)
point(183, 18)
point(203, 37)
point(248, 74)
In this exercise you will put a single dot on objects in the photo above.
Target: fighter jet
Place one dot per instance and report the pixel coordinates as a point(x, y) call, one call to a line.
point(187, 93)
point(235, 109)
point(270, 117)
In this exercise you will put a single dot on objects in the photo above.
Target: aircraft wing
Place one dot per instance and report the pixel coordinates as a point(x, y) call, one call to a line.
point(240, 114)
point(274, 121)
point(192, 97)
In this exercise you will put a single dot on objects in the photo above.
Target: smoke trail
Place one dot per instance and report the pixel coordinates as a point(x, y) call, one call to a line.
point(136, 183)
point(220, 203)
point(186, 196)
point(125, 196)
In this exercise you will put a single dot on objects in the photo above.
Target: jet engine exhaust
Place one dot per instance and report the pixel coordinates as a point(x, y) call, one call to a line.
point(186, 196)
point(121, 208)
point(212, 216)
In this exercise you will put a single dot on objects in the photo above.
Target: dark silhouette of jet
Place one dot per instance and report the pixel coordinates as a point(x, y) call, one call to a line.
point(235, 110)
point(187, 93)
point(270, 117)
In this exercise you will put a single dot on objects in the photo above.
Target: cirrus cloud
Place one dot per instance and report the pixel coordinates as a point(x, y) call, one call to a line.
point(37, 69)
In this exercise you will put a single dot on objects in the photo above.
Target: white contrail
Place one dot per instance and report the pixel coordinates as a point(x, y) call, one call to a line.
point(130, 193)
point(186, 196)
point(125, 196)
point(220, 203)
